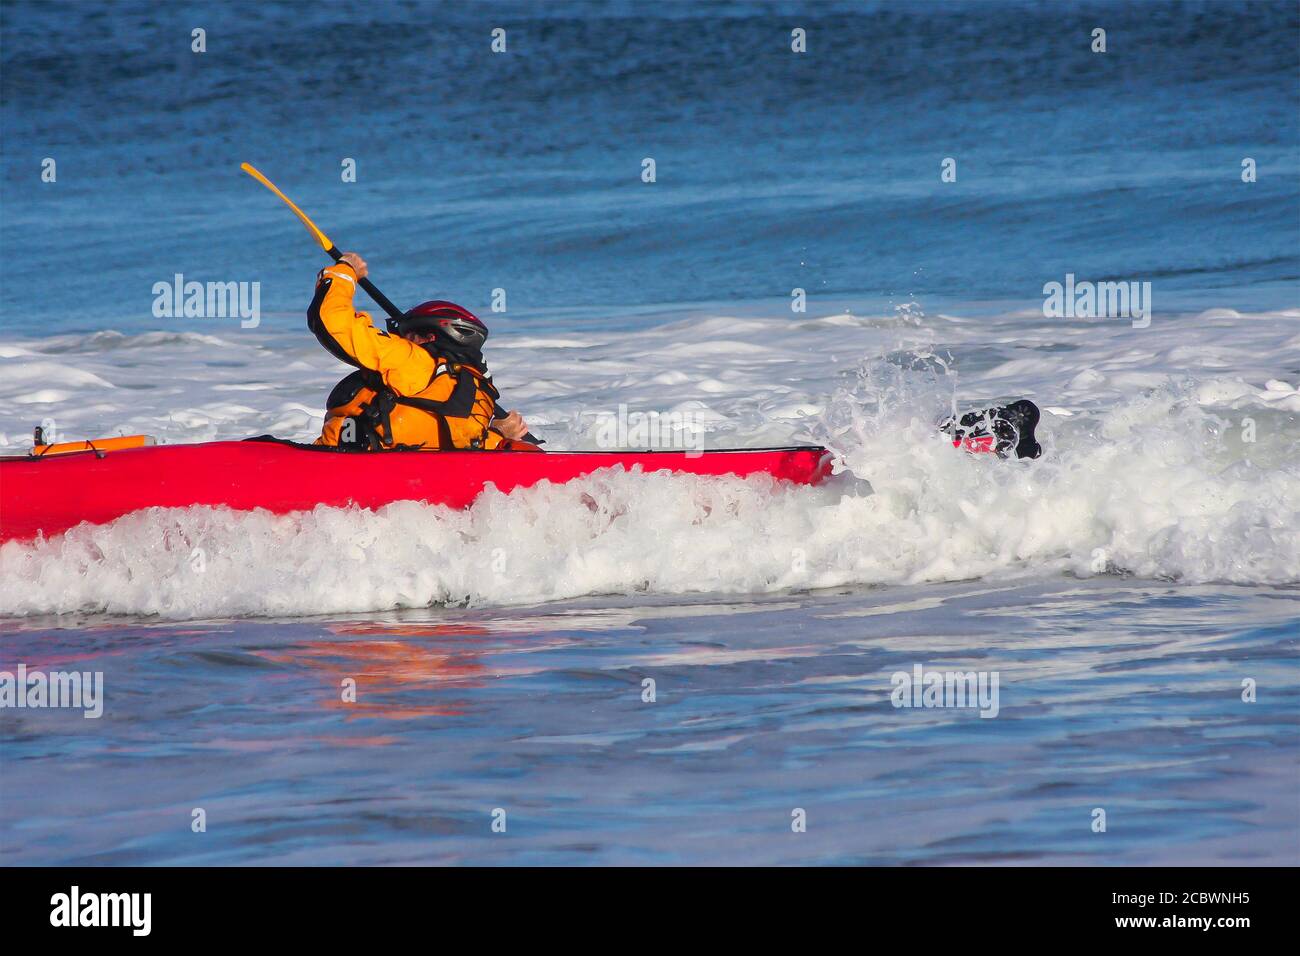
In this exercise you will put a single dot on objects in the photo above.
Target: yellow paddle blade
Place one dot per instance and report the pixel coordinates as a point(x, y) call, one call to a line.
point(320, 236)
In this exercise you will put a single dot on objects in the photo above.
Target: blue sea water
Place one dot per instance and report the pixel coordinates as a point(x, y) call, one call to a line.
point(1126, 699)
point(1121, 686)
point(522, 170)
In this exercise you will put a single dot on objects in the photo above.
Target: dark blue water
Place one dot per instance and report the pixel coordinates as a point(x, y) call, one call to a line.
point(522, 170)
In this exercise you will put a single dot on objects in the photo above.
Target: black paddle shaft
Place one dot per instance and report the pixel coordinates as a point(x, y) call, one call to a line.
point(380, 299)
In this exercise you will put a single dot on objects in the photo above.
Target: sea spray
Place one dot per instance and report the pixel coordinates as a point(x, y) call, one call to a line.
point(1150, 488)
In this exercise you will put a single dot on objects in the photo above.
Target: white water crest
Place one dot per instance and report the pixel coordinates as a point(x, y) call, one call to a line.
point(1154, 470)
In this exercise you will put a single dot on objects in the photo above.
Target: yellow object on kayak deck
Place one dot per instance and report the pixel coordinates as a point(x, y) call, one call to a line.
point(93, 444)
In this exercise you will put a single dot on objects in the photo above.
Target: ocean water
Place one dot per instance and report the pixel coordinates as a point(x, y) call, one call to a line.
point(522, 170)
point(1125, 588)
point(1123, 696)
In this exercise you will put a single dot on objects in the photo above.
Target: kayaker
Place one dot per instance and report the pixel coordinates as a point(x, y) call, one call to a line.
point(425, 385)
point(1003, 431)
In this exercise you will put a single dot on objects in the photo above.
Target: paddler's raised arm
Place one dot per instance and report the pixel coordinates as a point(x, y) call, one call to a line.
point(351, 337)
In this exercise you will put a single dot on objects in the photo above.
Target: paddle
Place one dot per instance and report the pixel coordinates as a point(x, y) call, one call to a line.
point(330, 249)
point(333, 252)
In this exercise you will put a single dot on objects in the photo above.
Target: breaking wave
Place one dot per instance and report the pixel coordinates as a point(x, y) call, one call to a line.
point(1157, 487)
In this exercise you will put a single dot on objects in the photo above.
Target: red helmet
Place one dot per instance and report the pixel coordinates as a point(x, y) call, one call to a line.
point(443, 319)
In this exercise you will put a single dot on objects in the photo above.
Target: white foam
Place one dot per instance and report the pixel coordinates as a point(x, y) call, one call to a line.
point(1155, 491)
point(1150, 469)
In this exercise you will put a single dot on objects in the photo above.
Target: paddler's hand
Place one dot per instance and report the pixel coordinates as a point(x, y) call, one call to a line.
point(356, 262)
point(512, 426)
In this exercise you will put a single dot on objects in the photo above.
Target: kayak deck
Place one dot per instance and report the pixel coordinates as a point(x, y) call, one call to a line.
point(50, 495)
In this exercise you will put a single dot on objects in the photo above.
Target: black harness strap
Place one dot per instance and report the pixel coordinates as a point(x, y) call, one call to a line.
point(458, 405)
point(373, 423)
point(378, 421)
point(444, 432)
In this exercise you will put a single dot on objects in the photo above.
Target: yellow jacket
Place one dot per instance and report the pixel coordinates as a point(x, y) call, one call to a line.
point(402, 394)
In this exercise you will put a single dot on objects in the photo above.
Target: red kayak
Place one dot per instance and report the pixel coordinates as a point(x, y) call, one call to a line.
point(51, 494)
